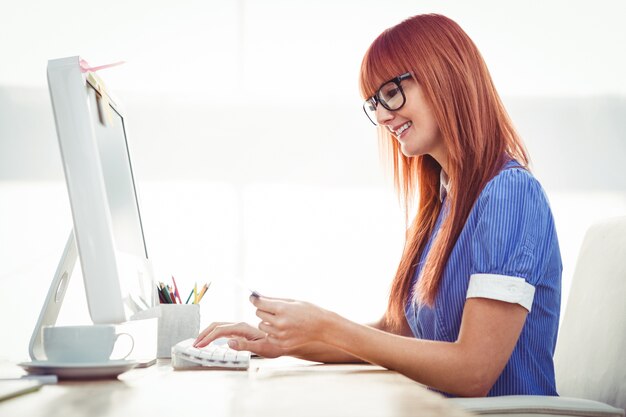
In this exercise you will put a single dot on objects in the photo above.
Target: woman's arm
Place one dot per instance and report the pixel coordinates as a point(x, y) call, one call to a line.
point(468, 367)
point(249, 338)
point(323, 352)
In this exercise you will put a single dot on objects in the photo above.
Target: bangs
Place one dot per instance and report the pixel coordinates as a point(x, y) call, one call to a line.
point(385, 59)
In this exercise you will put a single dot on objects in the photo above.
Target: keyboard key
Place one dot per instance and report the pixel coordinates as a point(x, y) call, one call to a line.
point(213, 355)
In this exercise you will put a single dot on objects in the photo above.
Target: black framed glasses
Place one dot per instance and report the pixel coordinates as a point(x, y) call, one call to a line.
point(390, 95)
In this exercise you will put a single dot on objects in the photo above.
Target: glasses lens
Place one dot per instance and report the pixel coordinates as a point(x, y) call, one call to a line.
point(391, 95)
point(370, 110)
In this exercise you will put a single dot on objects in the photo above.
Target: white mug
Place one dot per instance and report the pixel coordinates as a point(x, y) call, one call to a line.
point(82, 344)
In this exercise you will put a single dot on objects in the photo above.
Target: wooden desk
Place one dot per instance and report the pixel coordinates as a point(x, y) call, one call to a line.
point(271, 387)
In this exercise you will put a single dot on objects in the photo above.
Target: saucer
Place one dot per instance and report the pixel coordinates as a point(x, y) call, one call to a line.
point(79, 370)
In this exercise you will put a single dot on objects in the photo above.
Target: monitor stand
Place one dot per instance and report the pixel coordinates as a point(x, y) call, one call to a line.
point(144, 328)
point(52, 304)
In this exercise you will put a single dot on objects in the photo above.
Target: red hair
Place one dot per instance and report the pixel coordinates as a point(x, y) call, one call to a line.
point(475, 128)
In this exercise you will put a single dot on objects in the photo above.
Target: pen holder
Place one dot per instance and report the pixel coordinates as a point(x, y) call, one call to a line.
point(177, 322)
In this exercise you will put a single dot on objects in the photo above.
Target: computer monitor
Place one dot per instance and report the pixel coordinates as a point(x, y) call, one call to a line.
point(108, 232)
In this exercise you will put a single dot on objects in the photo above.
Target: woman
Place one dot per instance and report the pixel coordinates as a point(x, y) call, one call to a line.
point(474, 306)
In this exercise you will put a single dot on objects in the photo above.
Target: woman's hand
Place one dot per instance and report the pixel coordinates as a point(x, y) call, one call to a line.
point(290, 323)
point(242, 337)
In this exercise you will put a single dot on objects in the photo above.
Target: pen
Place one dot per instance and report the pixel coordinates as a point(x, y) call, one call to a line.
point(195, 292)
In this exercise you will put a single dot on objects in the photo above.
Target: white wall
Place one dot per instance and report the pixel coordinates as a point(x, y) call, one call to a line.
point(253, 158)
point(556, 47)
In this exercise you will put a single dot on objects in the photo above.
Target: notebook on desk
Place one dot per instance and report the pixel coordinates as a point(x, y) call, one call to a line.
point(10, 388)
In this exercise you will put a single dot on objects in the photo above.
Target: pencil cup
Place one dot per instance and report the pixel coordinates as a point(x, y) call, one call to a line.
point(177, 322)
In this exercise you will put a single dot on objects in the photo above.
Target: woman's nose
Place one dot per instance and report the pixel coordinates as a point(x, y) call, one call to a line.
point(383, 116)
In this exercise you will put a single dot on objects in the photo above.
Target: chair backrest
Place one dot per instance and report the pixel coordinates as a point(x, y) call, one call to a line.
point(590, 357)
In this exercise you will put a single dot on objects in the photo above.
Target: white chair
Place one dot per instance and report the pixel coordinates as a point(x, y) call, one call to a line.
point(590, 357)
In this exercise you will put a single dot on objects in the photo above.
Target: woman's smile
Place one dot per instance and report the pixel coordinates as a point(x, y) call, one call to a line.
point(400, 131)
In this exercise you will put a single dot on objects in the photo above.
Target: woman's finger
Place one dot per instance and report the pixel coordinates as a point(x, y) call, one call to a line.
point(260, 346)
point(267, 328)
point(271, 306)
point(227, 330)
point(209, 329)
point(265, 316)
point(273, 339)
point(256, 294)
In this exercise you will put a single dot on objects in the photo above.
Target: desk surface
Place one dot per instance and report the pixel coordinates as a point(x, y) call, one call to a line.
point(271, 387)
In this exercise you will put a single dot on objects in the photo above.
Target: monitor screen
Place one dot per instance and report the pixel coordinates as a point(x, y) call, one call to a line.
point(118, 177)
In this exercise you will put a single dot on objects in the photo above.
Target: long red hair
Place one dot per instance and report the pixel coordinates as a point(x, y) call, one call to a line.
point(476, 131)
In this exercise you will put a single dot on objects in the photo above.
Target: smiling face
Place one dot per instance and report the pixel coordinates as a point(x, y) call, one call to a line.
point(414, 125)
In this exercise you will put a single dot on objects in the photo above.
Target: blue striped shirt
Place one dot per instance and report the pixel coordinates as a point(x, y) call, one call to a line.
point(507, 250)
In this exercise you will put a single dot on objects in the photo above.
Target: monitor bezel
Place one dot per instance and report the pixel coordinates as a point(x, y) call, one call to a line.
point(103, 266)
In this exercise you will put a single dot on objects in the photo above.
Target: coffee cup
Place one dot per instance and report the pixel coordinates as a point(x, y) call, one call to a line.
point(82, 344)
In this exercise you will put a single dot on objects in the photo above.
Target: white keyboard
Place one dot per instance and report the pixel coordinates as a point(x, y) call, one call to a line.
point(215, 355)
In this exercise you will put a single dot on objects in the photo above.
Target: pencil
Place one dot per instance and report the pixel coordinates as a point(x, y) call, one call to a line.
point(166, 294)
point(205, 287)
point(176, 293)
point(189, 298)
point(161, 299)
point(171, 294)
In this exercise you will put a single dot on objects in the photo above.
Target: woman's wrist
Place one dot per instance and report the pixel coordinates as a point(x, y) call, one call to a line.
point(330, 325)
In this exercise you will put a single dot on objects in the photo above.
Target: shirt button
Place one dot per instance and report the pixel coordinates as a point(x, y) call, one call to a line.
point(513, 289)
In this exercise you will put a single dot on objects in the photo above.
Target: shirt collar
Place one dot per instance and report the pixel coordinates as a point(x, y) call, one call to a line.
point(444, 184)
